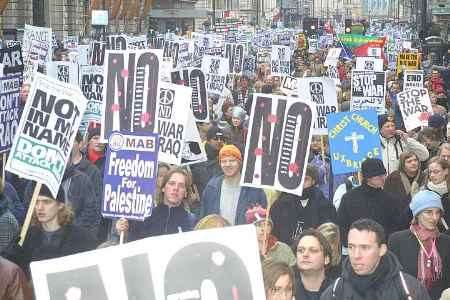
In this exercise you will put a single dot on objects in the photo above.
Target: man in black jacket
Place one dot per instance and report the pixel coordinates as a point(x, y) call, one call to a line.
point(369, 201)
point(291, 214)
point(371, 271)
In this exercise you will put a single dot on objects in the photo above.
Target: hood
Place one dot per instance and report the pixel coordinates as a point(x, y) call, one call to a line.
point(211, 152)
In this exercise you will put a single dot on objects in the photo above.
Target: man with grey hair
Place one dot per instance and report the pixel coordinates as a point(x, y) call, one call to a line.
point(444, 151)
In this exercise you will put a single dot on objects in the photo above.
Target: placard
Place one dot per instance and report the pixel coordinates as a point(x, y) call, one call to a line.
point(369, 64)
point(368, 91)
point(11, 59)
point(235, 55)
point(64, 71)
point(9, 110)
point(412, 79)
point(280, 61)
point(91, 84)
point(216, 70)
point(415, 107)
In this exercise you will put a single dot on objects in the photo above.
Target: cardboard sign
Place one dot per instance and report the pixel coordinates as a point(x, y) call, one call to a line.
point(171, 49)
point(278, 140)
point(235, 55)
point(369, 64)
point(322, 92)
point(130, 175)
point(91, 84)
point(36, 51)
point(412, 79)
point(280, 61)
point(332, 56)
point(11, 59)
point(64, 71)
point(195, 78)
point(130, 91)
point(368, 91)
point(71, 42)
point(289, 86)
point(408, 61)
point(415, 106)
point(116, 42)
point(157, 268)
point(185, 54)
point(97, 53)
point(46, 132)
point(333, 74)
point(216, 70)
point(353, 137)
point(9, 110)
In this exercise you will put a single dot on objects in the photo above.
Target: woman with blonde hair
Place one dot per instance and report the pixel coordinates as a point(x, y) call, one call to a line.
point(332, 234)
point(278, 280)
point(212, 221)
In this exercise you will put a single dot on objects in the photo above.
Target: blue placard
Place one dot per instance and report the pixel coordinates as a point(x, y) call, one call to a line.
point(353, 136)
point(130, 175)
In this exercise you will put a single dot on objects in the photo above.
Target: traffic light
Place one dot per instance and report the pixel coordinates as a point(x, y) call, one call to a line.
point(348, 25)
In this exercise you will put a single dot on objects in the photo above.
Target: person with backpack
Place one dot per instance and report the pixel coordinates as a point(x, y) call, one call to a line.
point(371, 271)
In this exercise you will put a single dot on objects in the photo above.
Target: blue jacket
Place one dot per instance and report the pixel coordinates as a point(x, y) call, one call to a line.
point(248, 198)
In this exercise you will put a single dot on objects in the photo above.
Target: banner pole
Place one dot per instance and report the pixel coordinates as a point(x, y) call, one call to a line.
point(122, 237)
point(27, 222)
point(265, 227)
point(3, 169)
point(322, 147)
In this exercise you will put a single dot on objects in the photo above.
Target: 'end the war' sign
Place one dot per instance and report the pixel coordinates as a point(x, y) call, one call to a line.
point(279, 135)
point(415, 106)
point(130, 175)
point(353, 136)
point(46, 132)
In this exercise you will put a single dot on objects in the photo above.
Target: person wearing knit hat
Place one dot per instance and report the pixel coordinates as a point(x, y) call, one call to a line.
point(422, 250)
point(223, 194)
point(236, 131)
point(394, 142)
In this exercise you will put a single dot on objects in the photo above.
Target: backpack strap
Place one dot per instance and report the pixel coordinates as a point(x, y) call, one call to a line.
point(335, 285)
point(405, 286)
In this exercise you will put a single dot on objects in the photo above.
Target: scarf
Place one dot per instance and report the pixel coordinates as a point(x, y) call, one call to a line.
point(270, 244)
point(429, 261)
point(440, 188)
point(411, 189)
point(93, 155)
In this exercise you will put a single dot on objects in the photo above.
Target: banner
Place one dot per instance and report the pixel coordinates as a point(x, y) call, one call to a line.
point(415, 106)
point(368, 91)
point(130, 91)
point(129, 182)
point(412, 79)
point(289, 86)
point(46, 132)
point(216, 70)
point(408, 61)
point(235, 55)
point(195, 78)
point(11, 59)
point(278, 140)
point(204, 264)
point(91, 84)
point(369, 64)
point(64, 71)
point(353, 137)
point(322, 92)
point(355, 40)
point(280, 60)
point(9, 110)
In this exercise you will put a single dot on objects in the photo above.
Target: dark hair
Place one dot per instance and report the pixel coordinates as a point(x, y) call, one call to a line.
point(78, 137)
point(371, 226)
point(272, 271)
point(324, 244)
point(428, 132)
point(403, 157)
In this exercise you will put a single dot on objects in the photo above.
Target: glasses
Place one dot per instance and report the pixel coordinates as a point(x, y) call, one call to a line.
point(279, 291)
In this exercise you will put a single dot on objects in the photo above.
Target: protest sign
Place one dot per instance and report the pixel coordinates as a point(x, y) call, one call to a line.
point(116, 42)
point(36, 50)
point(249, 67)
point(91, 84)
point(64, 71)
point(322, 92)
point(332, 73)
point(278, 140)
point(216, 70)
point(415, 106)
point(312, 45)
point(70, 42)
point(289, 86)
point(412, 79)
point(353, 137)
point(194, 78)
point(185, 54)
point(332, 57)
point(137, 42)
point(11, 59)
point(129, 182)
point(235, 55)
point(9, 110)
point(369, 64)
point(355, 40)
point(280, 60)
point(203, 264)
point(171, 49)
point(368, 90)
point(130, 90)
point(97, 53)
point(408, 61)
point(46, 132)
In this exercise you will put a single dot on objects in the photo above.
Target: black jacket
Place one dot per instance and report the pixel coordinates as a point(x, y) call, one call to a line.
point(371, 203)
point(301, 293)
point(388, 287)
point(404, 244)
point(290, 217)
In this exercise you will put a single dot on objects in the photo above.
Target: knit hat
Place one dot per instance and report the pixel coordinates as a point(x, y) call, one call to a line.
point(45, 192)
point(436, 121)
point(230, 150)
point(424, 200)
point(383, 119)
point(372, 167)
point(93, 131)
point(239, 113)
point(213, 132)
point(256, 215)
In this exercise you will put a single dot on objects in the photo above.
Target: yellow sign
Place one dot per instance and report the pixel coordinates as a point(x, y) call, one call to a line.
point(408, 61)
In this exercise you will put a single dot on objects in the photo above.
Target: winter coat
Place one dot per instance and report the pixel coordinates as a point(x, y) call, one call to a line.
point(368, 202)
point(204, 171)
point(390, 286)
point(302, 294)
point(290, 218)
point(248, 197)
point(13, 284)
point(164, 220)
point(86, 167)
point(15, 204)
point(406, 247)
point(394, 146)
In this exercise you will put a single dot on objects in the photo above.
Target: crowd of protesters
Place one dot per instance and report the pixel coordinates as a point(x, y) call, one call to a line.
point(379, 234)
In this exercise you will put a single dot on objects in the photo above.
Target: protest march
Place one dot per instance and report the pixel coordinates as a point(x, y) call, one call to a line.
point(238, 161)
